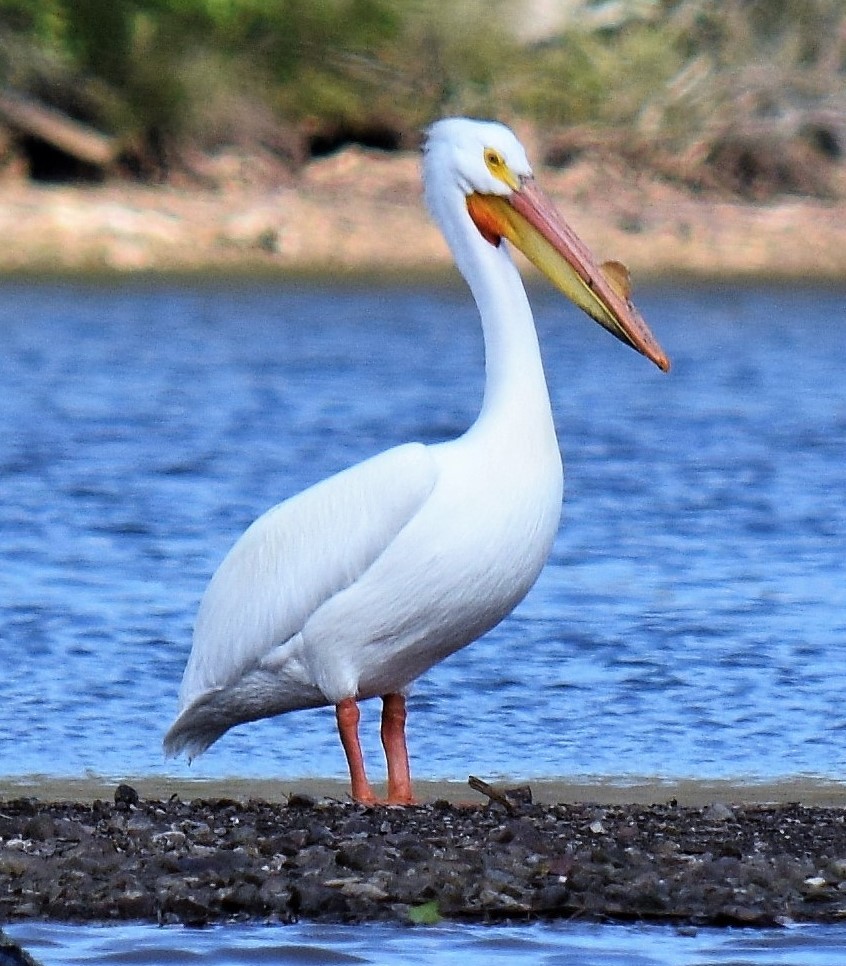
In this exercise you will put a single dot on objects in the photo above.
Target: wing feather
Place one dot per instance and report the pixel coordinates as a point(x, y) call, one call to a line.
point(297, 556)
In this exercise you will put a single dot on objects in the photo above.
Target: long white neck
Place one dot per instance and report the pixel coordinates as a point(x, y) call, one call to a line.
point(515, 386)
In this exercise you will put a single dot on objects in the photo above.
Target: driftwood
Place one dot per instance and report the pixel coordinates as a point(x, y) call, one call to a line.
point(511, 799)
point(78, 140)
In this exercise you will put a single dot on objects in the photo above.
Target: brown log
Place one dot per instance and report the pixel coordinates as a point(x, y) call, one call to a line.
point(57, 129)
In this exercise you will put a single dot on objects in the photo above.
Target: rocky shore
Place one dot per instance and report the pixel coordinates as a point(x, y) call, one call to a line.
point(508, 857)
point(362, 210)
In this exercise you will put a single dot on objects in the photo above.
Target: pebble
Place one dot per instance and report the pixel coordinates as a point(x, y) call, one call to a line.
point(717, 812)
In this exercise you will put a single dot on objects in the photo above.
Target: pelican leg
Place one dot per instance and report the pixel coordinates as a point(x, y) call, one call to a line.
point(396, 752)
point(347, 716)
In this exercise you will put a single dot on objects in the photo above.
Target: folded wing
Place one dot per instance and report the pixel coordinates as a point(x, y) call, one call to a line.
point(297, 556)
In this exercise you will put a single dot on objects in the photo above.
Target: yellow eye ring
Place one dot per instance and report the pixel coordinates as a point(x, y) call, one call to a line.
point(498, 167)
point(494, 160)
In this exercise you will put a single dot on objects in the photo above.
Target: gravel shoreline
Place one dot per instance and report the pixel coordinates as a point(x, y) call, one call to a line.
point(216, 860)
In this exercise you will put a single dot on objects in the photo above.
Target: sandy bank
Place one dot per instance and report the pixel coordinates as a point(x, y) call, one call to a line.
point(694, 793)
point(363, 211)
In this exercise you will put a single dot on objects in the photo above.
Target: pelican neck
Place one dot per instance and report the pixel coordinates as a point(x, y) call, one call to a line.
point(515, 384)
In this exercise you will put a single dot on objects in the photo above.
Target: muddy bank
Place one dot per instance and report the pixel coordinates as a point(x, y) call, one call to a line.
point(622, 790)
point(362, 211)
point(211, 860)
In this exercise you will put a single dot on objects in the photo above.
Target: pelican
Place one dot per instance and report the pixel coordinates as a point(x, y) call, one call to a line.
point(356, 586)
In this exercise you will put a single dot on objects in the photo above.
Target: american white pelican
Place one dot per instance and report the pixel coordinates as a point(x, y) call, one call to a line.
point(356, 586)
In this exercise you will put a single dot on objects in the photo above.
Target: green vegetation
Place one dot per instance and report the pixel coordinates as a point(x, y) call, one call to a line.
point(426, 914)
point(695, 79)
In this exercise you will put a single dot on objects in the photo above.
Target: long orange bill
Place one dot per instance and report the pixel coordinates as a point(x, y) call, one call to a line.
point(528, 219)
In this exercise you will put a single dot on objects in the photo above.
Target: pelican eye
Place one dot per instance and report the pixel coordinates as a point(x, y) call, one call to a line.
point(495, 161)
point(498, 167)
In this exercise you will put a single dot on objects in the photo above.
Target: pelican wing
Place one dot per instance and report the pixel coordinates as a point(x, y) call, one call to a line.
point(297, 556)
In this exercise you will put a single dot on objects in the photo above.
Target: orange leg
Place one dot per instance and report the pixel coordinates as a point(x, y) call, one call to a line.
point(396, 752)
point(347, 716)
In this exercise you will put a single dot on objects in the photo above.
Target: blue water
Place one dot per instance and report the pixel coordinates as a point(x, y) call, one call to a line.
point(690, 623)
point(541, 944)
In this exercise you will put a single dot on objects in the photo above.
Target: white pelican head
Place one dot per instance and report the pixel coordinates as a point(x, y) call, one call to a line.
point(478, 170)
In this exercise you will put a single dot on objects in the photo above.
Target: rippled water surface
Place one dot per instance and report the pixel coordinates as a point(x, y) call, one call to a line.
point(542, 944)
point(691, 621)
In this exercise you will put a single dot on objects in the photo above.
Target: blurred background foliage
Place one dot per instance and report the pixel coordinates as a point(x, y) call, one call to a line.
point(680, 84)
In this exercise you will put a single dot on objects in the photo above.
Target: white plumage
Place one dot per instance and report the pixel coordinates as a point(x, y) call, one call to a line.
point(356, 586)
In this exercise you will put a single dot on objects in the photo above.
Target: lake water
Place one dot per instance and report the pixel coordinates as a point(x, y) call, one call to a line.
point(691, 620)
point(538, 944)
